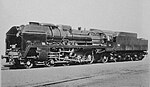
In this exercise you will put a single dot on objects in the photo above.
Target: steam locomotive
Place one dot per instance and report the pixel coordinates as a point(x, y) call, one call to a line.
point(51, 44)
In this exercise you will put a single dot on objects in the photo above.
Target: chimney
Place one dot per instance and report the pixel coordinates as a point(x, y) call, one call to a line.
point(79, 28)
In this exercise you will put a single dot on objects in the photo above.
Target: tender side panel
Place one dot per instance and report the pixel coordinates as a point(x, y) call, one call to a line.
point(129, 41)
point(143, 44)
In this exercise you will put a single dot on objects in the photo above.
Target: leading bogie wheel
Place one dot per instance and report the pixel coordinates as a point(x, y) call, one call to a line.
point(49, 62)
point(29, 63)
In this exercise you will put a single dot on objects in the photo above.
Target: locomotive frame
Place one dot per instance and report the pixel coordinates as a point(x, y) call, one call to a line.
point(51, 44)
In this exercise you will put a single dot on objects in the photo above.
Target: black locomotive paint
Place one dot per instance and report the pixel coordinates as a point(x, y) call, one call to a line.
point(61, 44)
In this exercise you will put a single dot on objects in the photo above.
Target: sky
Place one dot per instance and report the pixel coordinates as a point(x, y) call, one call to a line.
point(116, 15)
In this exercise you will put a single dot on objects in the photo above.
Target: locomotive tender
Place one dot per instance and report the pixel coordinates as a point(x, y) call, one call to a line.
point(51, 44)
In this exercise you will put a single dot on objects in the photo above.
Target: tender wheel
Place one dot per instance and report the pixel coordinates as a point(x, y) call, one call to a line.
point(130, 58)
point(140, 57)
point(136, 57)
point(49, 62)
point(104, 58)
point(29, 63)
point(119, 58)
